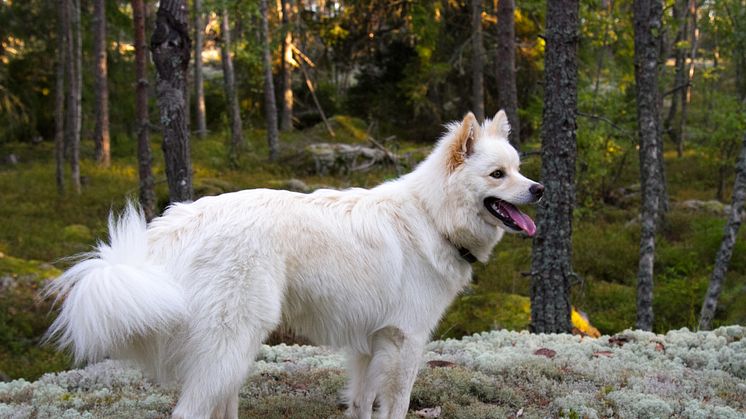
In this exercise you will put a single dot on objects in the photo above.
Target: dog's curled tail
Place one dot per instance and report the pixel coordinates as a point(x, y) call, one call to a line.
point(114, 294)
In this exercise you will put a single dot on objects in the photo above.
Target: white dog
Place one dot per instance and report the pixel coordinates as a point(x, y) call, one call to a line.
point(191, 297)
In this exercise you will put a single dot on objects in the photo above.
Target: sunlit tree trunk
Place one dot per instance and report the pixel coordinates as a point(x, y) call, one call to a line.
point(647, 21)
point(269, 86)
point(551, 267)
point(229, 84)
point(477, 60)
point(737, 214)
point(507, 92)
point(199, 85)
point(286, 117)
point(171, 48)
point(144, 156)
point(101, 131)
point(59, 95)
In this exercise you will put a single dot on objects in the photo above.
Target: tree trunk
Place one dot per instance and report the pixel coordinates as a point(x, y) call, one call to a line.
point(679, 15)
point(686, 93)
point(551, 267)
point(73, 117)
point(101, 132)
point(737, 214)
point(507, 92)
point(229, 84)
point(477, 60)
point(59, 95)
point(647, 21)
point(144, 156)
point(199, 85)
point(286, 117)
point(269, 86)
point(171, 47)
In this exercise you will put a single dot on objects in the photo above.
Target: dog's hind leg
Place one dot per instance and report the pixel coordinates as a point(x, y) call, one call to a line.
point(225, 336)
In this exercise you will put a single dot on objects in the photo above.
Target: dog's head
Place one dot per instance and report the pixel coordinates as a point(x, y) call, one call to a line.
point(485, 166)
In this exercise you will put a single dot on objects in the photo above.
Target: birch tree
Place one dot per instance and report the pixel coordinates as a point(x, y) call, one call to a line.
point(735, 218)
point(647, 22)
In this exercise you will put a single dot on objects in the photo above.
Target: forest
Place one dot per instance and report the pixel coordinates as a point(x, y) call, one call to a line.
point(631, 112)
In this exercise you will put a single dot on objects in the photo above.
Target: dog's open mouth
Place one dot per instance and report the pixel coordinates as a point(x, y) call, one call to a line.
point(511, 216)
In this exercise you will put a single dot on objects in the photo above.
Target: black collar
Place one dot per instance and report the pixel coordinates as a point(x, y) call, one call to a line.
point(466, 255)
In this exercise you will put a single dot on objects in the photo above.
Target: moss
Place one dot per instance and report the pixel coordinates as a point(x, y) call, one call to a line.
point(24, 318)
point(475, 312)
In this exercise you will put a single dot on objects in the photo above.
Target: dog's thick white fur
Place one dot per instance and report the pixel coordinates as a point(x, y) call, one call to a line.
point(191, 297)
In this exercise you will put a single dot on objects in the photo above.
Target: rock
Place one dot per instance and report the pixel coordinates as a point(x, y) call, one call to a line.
point(330, 158)
point(712, 206)
point(624, 197)
point(297, 185)
point(11, 159)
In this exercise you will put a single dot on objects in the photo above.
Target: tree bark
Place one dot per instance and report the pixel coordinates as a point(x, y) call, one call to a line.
point(679, 15)
point(686, 93)
point(199, 85)
point(507, 92)
point(286, 117)
point(269, 86)
point(737, 215)
point(477, 60)
point(101, 131)
point(59, 95)
point(144, 156)
point(229, 84)
point(74, 86)
point(551, 267)
point(647, 21)
point(171, 47)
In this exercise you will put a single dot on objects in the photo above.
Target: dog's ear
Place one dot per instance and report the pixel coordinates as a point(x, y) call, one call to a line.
point(498, 126)
point(462, 145)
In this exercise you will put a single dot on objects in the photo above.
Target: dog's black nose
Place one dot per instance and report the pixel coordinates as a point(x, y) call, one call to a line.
point(537, 190)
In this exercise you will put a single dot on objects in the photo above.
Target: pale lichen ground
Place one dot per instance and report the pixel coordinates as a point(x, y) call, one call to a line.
point(492, 375)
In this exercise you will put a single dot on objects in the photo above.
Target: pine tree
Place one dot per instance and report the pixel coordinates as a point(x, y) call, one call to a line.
point(552, 248)
point(171, 47)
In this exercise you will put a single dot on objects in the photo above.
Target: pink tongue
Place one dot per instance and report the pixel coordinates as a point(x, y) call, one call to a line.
point(522, 220)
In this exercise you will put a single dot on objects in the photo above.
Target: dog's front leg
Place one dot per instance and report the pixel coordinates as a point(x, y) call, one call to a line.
point(400, 373)
point(389, 375)
point(355, 393)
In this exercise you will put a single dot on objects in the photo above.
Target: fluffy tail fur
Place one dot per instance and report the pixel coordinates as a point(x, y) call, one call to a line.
point(115, 294)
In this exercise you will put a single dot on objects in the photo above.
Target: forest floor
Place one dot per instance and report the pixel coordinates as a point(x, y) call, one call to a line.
point(498, 374)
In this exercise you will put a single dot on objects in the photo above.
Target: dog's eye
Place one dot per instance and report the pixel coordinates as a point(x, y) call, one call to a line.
point(497, 174)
